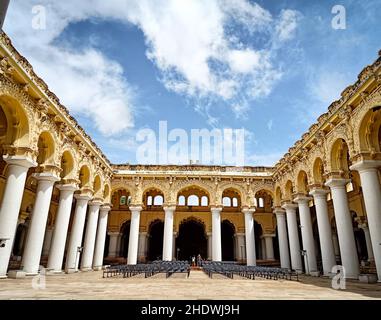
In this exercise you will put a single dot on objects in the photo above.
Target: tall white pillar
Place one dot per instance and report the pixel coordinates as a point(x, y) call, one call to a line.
point(368, 240)
point(75, 242)
point(57, 247)
point(250, 237)
point(307, 234)
point(33, 247)
point(134, 235)
point(269, 246)
point(282, 238)
point(344, 227)
point(325, 231)
point(113, 244)
point(293, 237)
point(368, 170)
point(216, 234)
point(47, 241)
point(90, 235)
point(17, 169)
point(101, 237)
point(336, 247)
point(168, 233)
point(209, 235)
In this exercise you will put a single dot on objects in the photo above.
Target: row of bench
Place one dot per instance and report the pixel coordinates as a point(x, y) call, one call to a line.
point(166, 267)
point(250, 272)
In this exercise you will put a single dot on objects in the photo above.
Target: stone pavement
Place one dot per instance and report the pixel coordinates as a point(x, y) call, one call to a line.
point(91, 285)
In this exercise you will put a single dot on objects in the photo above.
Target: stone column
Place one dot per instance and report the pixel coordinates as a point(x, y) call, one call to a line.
point(336, 247)
point(240, 248)
point(134, 234)
point(282, 238)
point(101, 237)
point(113, 244)
point(90, 234)
point(307, 234)
point(344, 227)
point(250, 237)
point(75, 242)
point(142, 254)
point(263, 248)
point(17, 169)
point(168, 233)
point(209, 235)
point(293, 237)
point(269, 246)
point(216, 234)
point(35, 238)
point(47, 241)
point(368, 170)
point(57, 248)
point(369, 248)
point(325, 231)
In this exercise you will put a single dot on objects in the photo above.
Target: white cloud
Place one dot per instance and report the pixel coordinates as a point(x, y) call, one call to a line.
point(195, 45)
point(269, 159)
point(270, 124)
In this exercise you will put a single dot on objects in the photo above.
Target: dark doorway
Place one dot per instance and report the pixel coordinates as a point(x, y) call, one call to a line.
point(191, 240)
point(155, 242)
point(258, 244)
point(125, 231)
point(227, 240)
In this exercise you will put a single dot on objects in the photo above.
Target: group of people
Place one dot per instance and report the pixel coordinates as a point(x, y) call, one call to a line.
point(196, 261)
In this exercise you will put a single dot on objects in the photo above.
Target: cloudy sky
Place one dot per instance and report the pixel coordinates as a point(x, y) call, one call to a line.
point(269, 67)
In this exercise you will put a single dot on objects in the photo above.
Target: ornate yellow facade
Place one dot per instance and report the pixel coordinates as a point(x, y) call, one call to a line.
point(334, 152)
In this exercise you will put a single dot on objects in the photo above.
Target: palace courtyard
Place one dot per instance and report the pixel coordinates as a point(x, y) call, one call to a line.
point(91, 285)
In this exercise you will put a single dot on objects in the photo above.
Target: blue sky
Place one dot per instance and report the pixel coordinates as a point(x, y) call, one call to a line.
point(270, 67)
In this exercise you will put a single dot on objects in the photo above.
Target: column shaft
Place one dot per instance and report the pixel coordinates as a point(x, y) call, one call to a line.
point(250, 237)
point(168, 233)
point(75, 242)
point(35, 238)
point(10, 205)
point(325, 231)
point(344, 226)
point(90, 235)
point(57, 247)
point(269, 247)
point(134, 235)
point(283, 239)
point(101, 238)
point(216, 234)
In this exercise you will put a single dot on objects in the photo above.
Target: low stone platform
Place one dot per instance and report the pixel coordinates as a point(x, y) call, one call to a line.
point(91, 285)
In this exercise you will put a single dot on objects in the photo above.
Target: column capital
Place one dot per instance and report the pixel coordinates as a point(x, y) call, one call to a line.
point(113, 233)
point(268, 235)
point(216, 209)
point(46, 176)
point(289, 206)
point(95, 202)
point(135, 208)
point(239, 234)
point(106, 207)
point(22, 161)
point(364, 165)
point(319, 192)
point(81, 196)
point(279, 211)
point(301, 198)
point(337, 182)
point(248, 210)
point(67, 187)
point(169, 208)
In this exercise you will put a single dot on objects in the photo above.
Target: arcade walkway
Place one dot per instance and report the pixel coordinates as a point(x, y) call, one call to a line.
point(91, 285)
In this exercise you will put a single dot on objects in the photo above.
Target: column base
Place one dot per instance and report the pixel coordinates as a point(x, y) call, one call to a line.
point(99, 268)
point(17, 274)
point(368, 278)
point(3, 277)
point(69, 271)
point(54, 272)
point(315, 273)
point(87, 269)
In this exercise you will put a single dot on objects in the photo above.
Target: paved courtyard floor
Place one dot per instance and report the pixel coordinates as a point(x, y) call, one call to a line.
point(91, 285)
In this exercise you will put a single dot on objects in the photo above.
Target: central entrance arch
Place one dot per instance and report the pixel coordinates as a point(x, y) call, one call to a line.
point(155, 242)
point(191, 240)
